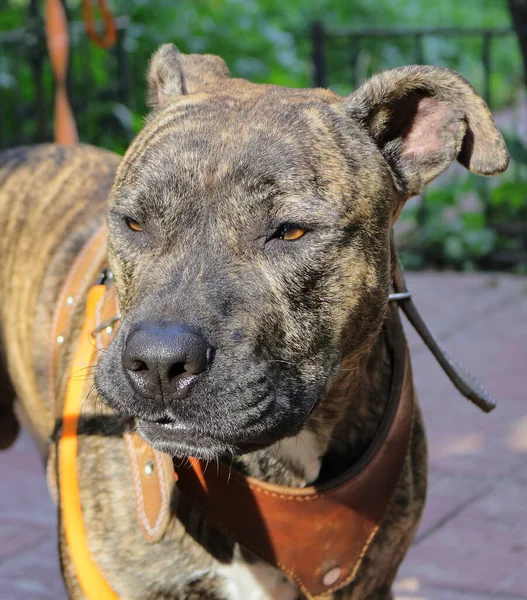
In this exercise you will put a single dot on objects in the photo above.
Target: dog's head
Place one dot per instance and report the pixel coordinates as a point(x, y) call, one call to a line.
point(249, 230)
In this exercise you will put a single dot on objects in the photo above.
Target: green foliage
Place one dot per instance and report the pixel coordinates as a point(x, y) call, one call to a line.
point(444, 233)
point(469, 224)
point(266, 41)
point(462, 224)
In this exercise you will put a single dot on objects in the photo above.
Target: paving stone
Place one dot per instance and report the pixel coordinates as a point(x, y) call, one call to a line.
point(411, 588)
point(33, 575)
point(450, 301)
point(481, 550)
point(29, 563)
point(17, 536)
point(460, 436)
point(449, 493)
point(25, 497)
point(27, 590)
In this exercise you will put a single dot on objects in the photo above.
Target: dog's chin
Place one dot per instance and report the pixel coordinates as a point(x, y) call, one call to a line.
point(179, 441)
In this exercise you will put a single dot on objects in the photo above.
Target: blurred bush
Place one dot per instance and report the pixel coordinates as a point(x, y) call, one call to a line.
point(471, 222)
point(462, 223)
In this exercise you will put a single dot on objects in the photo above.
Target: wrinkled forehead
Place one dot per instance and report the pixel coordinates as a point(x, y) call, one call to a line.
point(288, 140)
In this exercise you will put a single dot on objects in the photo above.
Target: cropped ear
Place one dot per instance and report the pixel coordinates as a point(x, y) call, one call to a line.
point(173, 74)
point(423, 118)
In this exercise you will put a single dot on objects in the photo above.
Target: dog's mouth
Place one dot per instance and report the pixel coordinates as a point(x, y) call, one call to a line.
point(181, 440)
point(165, 421)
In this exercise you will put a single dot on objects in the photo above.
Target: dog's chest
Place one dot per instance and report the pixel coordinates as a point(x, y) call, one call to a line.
point(256, 581)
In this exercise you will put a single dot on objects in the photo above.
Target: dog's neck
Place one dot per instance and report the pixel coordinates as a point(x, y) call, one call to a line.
point(338, 432)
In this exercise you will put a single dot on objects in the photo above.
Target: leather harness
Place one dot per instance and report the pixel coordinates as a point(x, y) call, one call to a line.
point(317, 535)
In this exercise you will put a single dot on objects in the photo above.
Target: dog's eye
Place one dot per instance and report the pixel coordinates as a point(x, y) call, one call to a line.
point(290, 232)
point(133, 225)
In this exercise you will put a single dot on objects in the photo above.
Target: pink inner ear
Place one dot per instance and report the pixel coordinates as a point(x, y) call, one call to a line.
point(160, 97)
point(426, 135)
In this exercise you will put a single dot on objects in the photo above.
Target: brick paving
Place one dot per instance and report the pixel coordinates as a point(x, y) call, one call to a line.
point(472, 543)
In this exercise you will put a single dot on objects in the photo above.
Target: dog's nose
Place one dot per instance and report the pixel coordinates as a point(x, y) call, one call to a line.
point(164, 360)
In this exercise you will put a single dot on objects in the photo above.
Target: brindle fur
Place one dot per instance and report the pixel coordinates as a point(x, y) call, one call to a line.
point(220, 164)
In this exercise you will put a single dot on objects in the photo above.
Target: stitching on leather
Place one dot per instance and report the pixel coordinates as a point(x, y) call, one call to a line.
point(310, 498)
point(63, 293)
point(137, 482)
point(291, 573)
point(326, 494)
point(62, 298)
point(358, 562)
point(164, 493)
point(368, 542)
point(150, 530)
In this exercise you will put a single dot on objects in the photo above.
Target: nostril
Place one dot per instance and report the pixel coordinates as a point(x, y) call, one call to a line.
point(137, 365)
point(176, 370)
point(164, 359)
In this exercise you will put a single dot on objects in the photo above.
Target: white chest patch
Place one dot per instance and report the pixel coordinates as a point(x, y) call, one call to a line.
point(303, 451)
point(257, 581)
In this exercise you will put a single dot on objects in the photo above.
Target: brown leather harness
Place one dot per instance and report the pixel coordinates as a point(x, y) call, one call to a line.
point(317, 535)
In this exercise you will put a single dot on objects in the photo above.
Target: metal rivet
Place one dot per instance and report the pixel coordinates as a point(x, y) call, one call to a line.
point(149, 468)
point(69, 300)
point(109, 329)
point(332, 576)
point(60, 339)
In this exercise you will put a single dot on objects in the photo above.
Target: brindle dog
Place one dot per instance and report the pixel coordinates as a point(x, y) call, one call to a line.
point(249, 235)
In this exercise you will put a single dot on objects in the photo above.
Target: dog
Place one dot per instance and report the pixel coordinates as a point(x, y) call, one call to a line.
point(249, 236)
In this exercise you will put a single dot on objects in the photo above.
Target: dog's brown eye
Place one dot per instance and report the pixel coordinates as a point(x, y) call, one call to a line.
point(133, 225)
point(290, 232)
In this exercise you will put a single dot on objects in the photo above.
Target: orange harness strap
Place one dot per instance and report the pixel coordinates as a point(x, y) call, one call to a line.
point(91, 580)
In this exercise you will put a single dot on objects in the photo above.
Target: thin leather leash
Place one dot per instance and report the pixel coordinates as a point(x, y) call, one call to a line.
point(465, 383)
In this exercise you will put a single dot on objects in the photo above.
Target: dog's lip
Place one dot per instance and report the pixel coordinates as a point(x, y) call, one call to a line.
point(179, 440)
point(174, 437)
point(166, 422)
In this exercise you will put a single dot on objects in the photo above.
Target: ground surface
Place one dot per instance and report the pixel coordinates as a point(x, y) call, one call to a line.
point(472, 543)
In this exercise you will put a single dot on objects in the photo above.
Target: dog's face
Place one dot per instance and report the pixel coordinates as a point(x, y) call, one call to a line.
point(249, 233)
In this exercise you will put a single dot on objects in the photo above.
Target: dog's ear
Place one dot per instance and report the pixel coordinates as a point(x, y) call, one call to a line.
point(423, 118)
point(172, 73)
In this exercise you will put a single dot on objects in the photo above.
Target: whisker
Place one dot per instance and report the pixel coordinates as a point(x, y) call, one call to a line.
point(93, 345)
point(230, 466)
